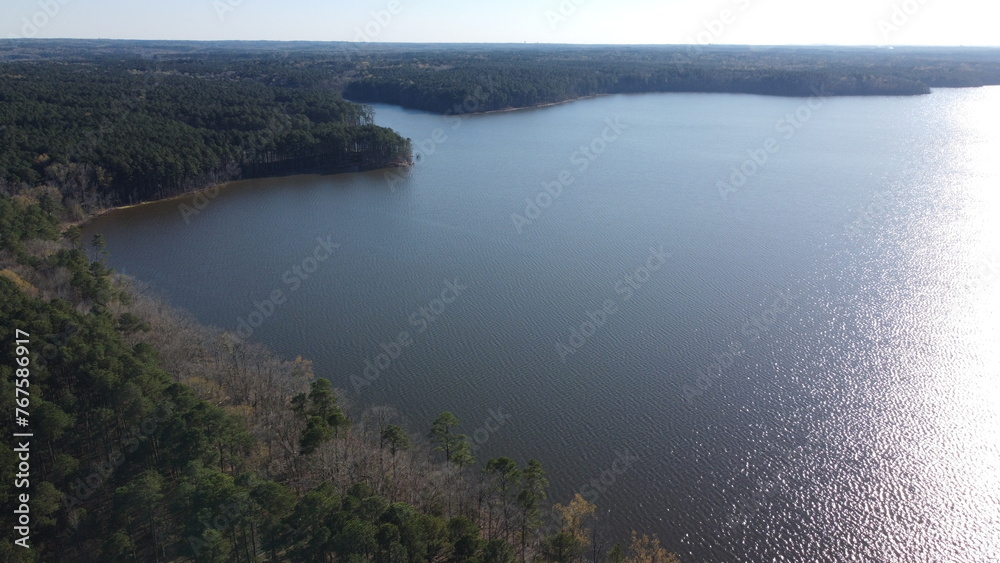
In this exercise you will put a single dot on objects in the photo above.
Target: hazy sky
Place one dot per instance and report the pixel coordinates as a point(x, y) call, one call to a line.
point(847, 22)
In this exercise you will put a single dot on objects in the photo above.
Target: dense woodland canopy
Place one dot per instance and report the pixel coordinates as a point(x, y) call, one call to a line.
point(444, 81)
point(119, 131)
point(158, 439)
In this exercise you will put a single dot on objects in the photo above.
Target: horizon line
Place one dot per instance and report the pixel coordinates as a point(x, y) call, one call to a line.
point(522, 43)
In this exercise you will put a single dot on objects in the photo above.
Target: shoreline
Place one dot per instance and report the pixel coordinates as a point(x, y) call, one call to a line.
point(605, 94)
point(218, 186)
point(537, 106)
point(105, 210)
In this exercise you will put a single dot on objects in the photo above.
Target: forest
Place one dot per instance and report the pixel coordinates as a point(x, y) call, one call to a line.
point(120, 131)
point(446, 80)
point(158, 439)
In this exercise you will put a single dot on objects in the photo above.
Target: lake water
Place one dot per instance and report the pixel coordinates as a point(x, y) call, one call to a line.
point(793, 361)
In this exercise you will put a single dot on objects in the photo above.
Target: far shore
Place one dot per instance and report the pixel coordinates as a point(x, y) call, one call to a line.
point(224, 185)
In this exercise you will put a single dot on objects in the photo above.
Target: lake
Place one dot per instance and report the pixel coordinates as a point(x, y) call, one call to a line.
point(763, 328)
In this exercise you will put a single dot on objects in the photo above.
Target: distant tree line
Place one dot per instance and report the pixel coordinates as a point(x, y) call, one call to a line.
point(442, 80)
point(546, 82)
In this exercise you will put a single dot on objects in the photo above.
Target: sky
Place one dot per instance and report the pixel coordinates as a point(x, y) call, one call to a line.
point(753, 22)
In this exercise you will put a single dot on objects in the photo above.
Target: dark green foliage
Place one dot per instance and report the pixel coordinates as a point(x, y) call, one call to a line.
point(20, 221)
point(324, 417)
point(395, 438)
point(356, 537)
point(129, 323)
point(112, 429)
point(89, 278)
point(455, 446)
point(121, 130)
point(617, 553)
point(310, 527)
point(464, 535)
point(498, 551)
point(452, 81)
point(316, 433)
point(530, 500)
point(561, 547)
